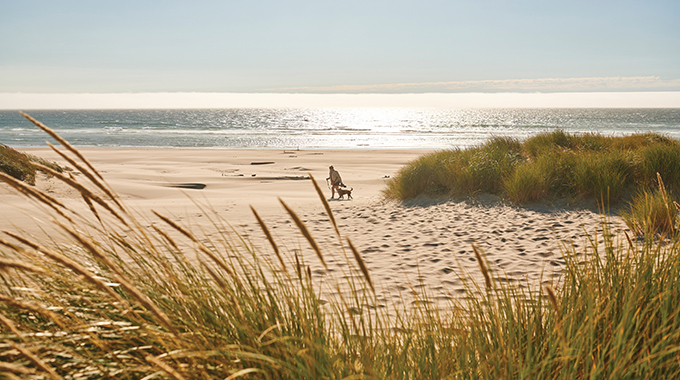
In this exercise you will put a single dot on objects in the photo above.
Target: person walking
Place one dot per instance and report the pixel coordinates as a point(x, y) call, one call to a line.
point(336, 180)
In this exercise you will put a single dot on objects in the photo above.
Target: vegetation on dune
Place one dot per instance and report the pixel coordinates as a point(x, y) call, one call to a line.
point(550, 165)
point(117, 298)
point(22, 166)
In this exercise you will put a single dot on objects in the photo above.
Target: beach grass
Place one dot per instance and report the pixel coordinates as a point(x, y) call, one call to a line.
point(22, 165)
point(549, 166)
point(120, 297)
point(653, 212)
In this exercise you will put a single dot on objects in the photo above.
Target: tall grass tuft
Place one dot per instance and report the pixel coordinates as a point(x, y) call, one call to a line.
point(457, 172)
point(115, 298)
point(653, 213)
point(22, 166)
point(663, 159)
point(602, 175)
point(547, 165)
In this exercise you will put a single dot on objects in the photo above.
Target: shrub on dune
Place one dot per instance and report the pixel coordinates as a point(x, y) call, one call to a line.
point(21, 165)
point(653, 213)
point(526, 184)
point(663, 158)
point(602, 176)
point(547, 165)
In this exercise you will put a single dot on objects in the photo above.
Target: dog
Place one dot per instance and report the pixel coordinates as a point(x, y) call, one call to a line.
point(342, 192)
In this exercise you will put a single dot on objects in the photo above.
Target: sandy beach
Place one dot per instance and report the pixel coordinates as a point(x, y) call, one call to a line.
point(406, 245)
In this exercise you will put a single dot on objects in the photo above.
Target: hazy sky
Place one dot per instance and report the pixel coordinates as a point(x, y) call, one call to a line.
point(347, 46)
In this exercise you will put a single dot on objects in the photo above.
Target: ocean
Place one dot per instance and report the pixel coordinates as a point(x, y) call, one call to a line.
point(322, 128)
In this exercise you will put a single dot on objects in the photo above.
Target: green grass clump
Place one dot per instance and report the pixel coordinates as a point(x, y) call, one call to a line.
point(547, 165)
point(662, 158)
point(116, 297)
point(653, 213)
point(457, 172)
point(528, 183)
point(21, 165)
point(599, 174)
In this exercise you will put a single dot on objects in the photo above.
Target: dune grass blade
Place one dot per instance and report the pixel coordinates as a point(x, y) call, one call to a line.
point(93, 178)
point(35, 194)
point(361, 263)
point(269, 236)
point(63, 142)
point(67, 262)
point(128, 285)
point(166, 368)
point(6, 264)
point(33, 307)
point(242, 373)
point(85, 192)
point(175, 226)
point(305, 232)
point(8, 369)
point(325, 203)
point(36, 360)
point(483, 267)
point(9, 324)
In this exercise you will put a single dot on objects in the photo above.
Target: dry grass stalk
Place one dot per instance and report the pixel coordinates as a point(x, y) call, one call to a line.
point(32, 307)
point(558, 316)
point(29, 190)
point(175, 226)
point(631, 246)
point(85, 192)
point(305, 232)
point(552, 298)
point(269, 236)
point(63, 142)
point(34, 193)
point(67, 262)
point(325, 203)
point(362, 264)
point(36, 360)
point(662, 188)
point(166, 368)
point(11, 326)
point(121, 278)
point(9, 369)
point(167, 237)
point(242, 373)
point(89, 175)
point(220, 263)
point(90, 205)
point(14, 264)
point(201, 246)
point(298, 267)
point(482, 266)
point(223, 285)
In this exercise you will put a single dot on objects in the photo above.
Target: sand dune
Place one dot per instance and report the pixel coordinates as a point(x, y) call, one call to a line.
point(422, 243)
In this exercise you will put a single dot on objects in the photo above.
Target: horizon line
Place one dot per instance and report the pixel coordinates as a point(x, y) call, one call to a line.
point(198, 100)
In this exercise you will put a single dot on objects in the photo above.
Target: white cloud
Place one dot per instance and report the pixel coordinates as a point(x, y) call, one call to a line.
point(26, 101)
point(648, 83)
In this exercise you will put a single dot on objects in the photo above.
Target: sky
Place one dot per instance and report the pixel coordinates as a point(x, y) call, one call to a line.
point(323, 47)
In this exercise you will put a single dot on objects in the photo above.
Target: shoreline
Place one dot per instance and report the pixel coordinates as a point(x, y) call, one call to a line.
point(421, 241)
